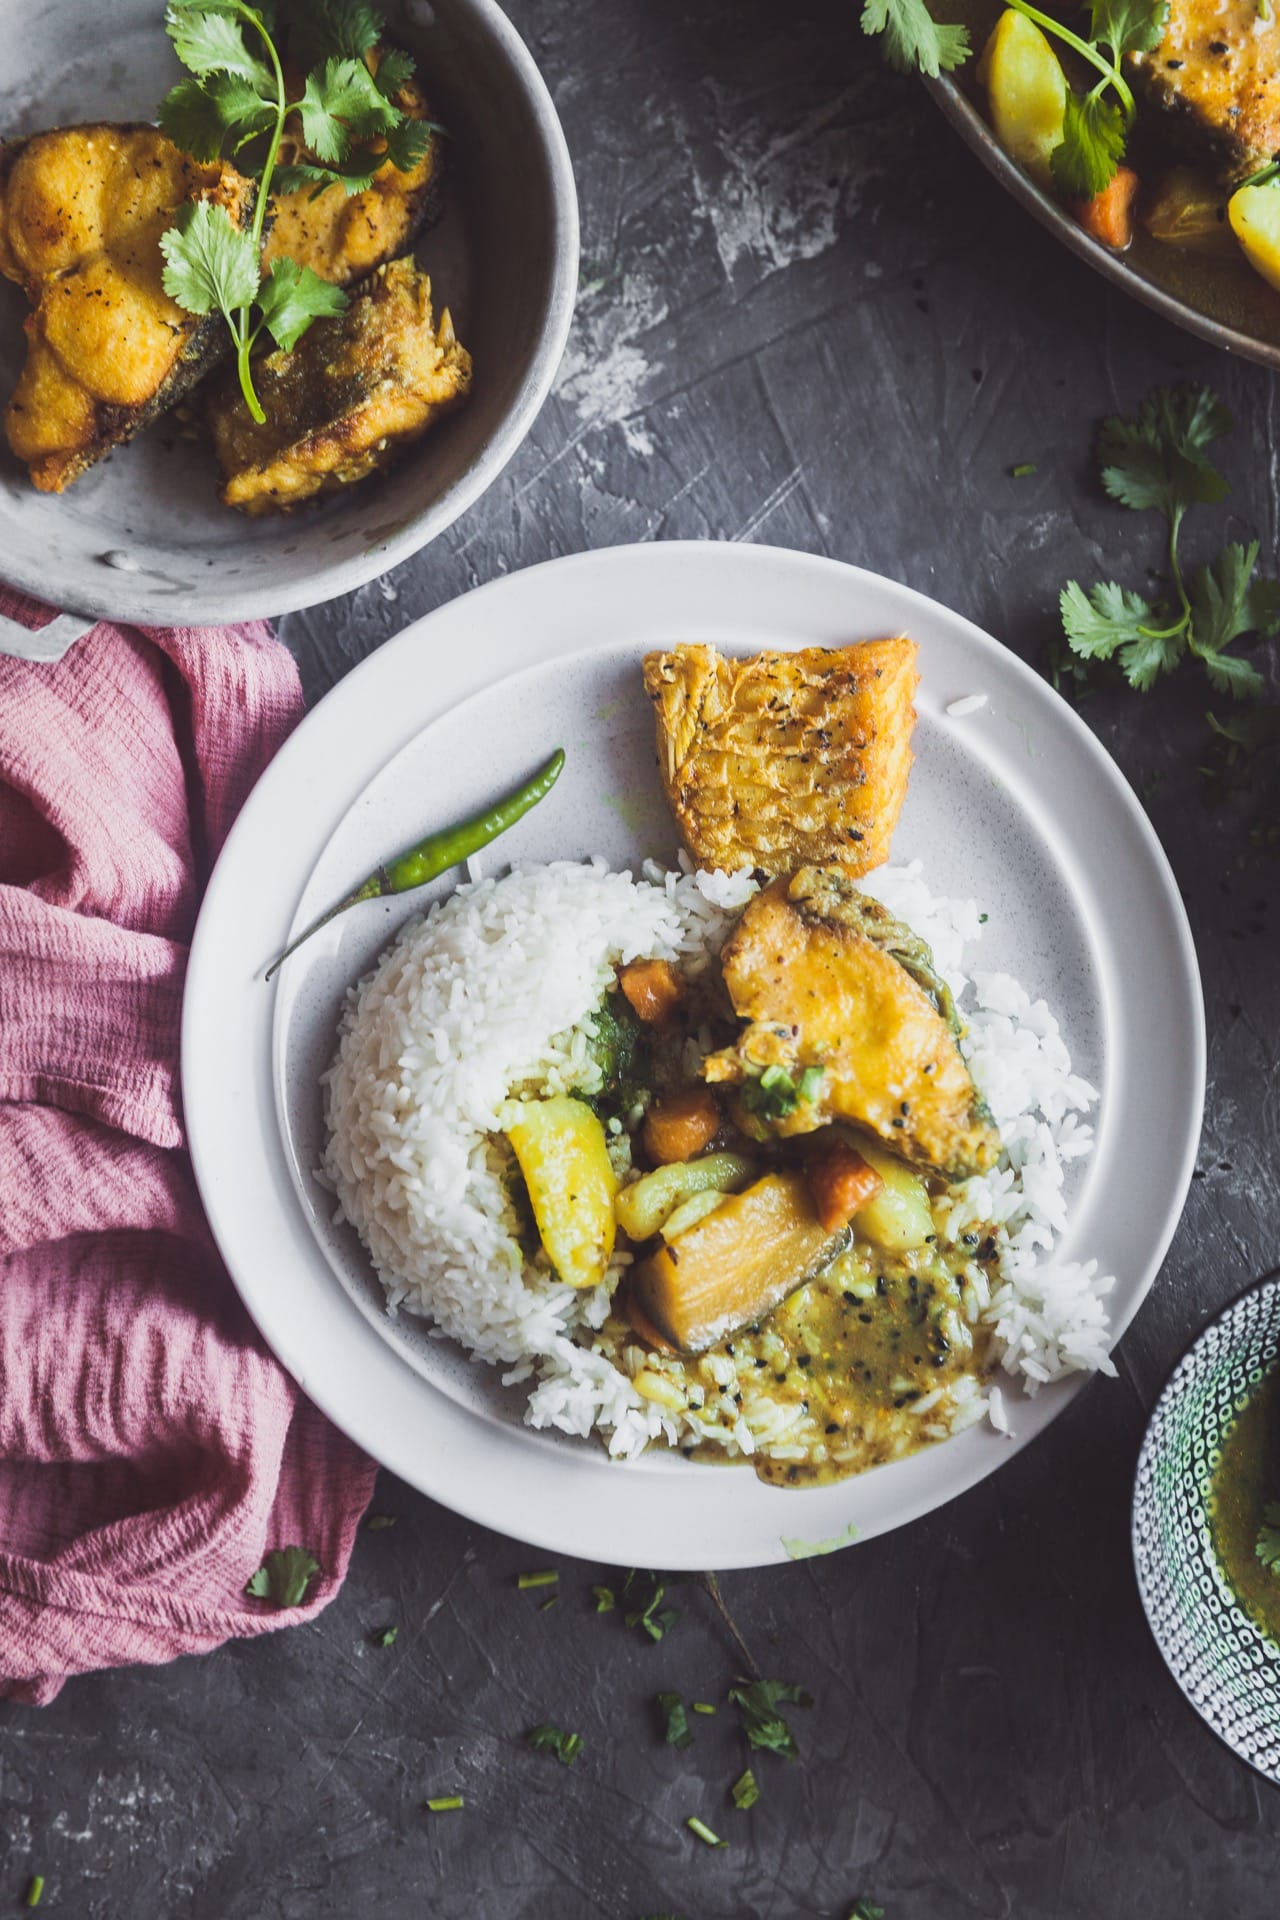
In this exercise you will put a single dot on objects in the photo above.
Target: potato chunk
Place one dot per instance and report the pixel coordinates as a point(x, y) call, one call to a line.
point(1027, 91)
point(560, 1146)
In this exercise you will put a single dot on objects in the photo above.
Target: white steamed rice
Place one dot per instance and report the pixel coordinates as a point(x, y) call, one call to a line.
point(455, 1018)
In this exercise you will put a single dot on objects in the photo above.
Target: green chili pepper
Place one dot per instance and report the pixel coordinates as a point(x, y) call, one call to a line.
point(439, 851)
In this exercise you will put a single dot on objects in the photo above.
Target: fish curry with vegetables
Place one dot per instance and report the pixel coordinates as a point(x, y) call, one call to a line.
point(796, 1111)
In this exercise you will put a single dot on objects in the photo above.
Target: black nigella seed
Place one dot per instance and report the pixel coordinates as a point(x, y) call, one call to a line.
point(832, 1426)
point(865, 1319)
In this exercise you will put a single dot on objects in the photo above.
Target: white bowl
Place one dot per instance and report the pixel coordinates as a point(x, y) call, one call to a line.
point(143, 537)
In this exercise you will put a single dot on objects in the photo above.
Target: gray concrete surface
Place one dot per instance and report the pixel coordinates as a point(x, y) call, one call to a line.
point(807, 317)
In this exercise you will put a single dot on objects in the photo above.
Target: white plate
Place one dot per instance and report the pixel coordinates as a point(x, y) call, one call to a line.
point(1017, 805)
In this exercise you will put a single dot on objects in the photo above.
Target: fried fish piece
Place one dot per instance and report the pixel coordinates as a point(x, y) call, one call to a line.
point(82, 210)
point(1215, 73)
point(354, 392)
point(826, 978)
point(786, 758)
point(342, 236)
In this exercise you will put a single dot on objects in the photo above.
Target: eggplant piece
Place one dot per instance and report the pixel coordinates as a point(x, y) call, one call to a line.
point(847, 1016)
point(353, 393)
point(82, 210)
point(1215, 77)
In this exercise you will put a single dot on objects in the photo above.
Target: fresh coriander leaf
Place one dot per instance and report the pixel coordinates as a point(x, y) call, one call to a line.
point(341, 103)
point(353, 176)
point(1128, 26)
point(758, 1701)
point(1106, 617)
point(648, 1618)
point(201, 116)
point(406, 144)
point(283, 1577)
point(321, 30)
point(910, 38)
point(379, 1522)
point(387, 1637)
point(1264, 606)
point(1268, 1542)
point(1092, 145)
point(396, 69)
point(1157, 459)
point(547, 1739)
point(1148, 655)
point(745, 1791)
point(207, 40)
point(1221, 610)
point(865, 1910)
point(209, 262)
point(605, 1598)
point(675, 1720)
point(291, 297)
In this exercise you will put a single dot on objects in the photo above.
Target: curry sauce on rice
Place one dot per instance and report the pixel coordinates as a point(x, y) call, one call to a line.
point(750, 1163)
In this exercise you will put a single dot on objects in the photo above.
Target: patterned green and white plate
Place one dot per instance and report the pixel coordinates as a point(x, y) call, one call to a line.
point(1228, 1669)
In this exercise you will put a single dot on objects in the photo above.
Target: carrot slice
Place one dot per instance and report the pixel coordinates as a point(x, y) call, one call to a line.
point(679, 1125)
point(839, 1179)
point(654, 989)
point(1108, 216)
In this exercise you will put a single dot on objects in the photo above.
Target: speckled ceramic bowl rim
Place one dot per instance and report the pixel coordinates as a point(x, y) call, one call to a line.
point(1173, 1386)
point(977, 135)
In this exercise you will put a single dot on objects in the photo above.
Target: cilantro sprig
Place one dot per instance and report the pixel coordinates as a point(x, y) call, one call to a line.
point(1156, 462)
point(236, 103)
point(284, 1577)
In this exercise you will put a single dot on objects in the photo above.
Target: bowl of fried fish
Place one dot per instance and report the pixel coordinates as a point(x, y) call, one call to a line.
point(281, 291)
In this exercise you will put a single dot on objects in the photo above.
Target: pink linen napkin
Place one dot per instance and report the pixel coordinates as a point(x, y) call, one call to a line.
point(151, 1450)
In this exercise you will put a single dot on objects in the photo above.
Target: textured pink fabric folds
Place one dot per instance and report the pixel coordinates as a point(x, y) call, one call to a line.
point(151, 1450)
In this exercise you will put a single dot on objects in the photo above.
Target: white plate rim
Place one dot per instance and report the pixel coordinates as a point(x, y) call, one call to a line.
point(227, 1084)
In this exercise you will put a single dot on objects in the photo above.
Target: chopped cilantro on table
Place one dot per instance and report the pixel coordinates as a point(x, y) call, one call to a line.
point(865, 1910)
point(745, 1791)
point(386, 1637)
point(775, 1094)
point(284, 1577)
point(549, 1739)
point(758, 1702)
point(652, 1619)
point(675, 1720)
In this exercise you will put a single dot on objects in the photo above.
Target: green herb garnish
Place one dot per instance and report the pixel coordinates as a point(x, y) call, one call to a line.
point(1267, 1546)
point(745, 1791)
point(379, 1522)
point(35, 1890)
point(910, 38)
point(703, 1706)
point(675, 1720)
point(283, 1577)
point(1156, 461)
point(386, 1637)
point(773, 1094)
point(648, 1618)
point(758, 1701)
point(547, 1739)
point(704, 1832)
point(448, 1803)
point(236, 102)
point(1021, 472)
point(865, 1910)
point(606, 1599)
point(545, 1579)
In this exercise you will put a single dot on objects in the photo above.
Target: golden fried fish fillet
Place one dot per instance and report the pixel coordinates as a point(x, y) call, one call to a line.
point(354, 392)
point(825, 977)
point(786, 758)
point(82, 210)
point(342, 236)
point(1216, 74)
